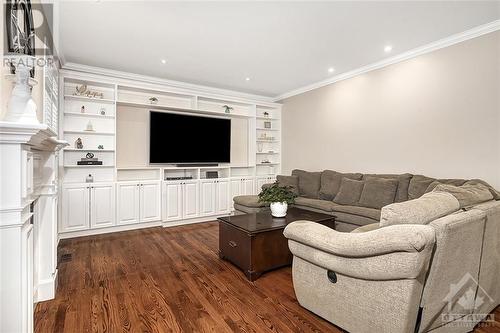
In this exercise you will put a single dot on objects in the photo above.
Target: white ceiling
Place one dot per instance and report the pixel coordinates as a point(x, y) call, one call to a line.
point(280, 46)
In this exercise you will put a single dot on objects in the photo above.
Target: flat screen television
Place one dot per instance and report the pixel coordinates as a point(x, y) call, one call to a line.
point(182, 139)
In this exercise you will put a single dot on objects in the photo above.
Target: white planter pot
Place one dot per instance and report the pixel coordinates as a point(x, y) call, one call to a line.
point(278, 209)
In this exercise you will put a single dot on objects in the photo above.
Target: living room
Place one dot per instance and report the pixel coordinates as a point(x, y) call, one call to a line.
point(172, 166)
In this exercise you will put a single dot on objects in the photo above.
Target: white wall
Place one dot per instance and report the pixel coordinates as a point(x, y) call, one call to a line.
point(132, 138)
point(437, 114)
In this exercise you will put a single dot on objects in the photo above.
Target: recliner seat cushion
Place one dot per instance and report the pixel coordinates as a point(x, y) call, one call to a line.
point(423, 210)
point(330, 183)
point(323, 205)
point(378, 192)
point(309, 183)
point(349, 192)
point(371, 213)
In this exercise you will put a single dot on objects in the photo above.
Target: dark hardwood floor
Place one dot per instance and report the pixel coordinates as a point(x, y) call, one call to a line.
point(169, 280)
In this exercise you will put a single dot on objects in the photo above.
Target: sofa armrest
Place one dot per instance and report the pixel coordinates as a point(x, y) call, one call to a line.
point(395, 252)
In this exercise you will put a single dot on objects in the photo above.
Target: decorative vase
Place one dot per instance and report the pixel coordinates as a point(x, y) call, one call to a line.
point(278, 209)
point(22, 108)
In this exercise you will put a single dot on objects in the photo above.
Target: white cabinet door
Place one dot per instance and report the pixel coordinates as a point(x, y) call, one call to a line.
point(75, 208)
point(236, 189)
point(190, 199)
point(150, 202)
point(247, 187)
point(128, 203)
point(208, 197)
point(173, 201)
point(102, 205)
point(222, 202)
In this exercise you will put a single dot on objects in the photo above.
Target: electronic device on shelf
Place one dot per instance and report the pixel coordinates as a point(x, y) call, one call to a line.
point(212, 174)
point(179, 178)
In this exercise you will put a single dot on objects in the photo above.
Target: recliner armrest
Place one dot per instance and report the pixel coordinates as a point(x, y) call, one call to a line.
point(395, 252)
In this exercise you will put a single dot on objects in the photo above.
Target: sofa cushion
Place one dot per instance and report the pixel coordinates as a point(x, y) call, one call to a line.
point(419, 185)
point(366, 228)
point(371, 213)
point(349, 192)
point(249, 201)
point(467, 194)
point(249, 210)
point(309, 183)
point(495, 193)
point(403, 183)
point(423, 210)
point(330, 183)
point(378, 192)
point(291, 181)
point(323, 205)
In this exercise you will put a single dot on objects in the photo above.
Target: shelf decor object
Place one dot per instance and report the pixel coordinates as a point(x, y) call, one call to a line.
point(227, 108)
point(153, 100)
point(83, 91)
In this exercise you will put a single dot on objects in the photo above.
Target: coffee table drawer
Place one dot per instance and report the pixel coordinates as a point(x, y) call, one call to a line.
point(234, 245)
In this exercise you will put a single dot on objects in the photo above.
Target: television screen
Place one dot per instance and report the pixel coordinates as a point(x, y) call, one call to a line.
point(176, 138)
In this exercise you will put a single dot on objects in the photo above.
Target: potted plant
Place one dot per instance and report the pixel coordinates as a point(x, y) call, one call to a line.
point(279, 197)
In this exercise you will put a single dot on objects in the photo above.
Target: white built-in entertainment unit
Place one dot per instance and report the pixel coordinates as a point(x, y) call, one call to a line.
point(123, 197)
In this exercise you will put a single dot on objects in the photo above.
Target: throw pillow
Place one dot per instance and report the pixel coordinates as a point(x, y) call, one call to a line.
point(330, 183)
point(423, 210)
point(349, 192)
point(292, 181)
point(378, 192)
point(309, 183)
point(467, 195)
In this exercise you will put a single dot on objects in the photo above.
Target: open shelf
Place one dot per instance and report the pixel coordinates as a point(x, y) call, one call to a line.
point(268, 153)
point(267, 118)
point(89, 132)
point(84, 150)
point(266, 129)
point(90, 115)
point(92, 99)
point(89, 166)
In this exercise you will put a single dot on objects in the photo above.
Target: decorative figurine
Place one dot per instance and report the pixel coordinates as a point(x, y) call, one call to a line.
point(227, 108)
point(103, 111)
point(153, 100)
point(90, 128)
point(82, 109)
point(89, 179)
point(79, 143)
point(100, 147)
point(266, 114)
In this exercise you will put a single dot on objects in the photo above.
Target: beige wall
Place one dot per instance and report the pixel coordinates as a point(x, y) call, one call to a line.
point(132, 138)
point(437, 114)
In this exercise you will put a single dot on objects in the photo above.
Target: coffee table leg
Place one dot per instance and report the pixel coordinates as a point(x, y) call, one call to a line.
point(253, 275)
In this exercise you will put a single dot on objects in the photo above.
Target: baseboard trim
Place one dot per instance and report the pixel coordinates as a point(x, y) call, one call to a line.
point(108, 230)
point(192, 221)
point(46, 289)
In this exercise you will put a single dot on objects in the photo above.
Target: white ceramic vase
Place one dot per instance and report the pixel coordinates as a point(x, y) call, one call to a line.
point(278, 209)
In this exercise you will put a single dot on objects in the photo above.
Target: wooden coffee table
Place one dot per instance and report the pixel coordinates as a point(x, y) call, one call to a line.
point(255, 242)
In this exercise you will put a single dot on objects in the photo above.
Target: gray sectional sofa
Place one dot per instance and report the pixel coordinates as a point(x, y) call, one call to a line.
point(354, 198)
point(424, 255)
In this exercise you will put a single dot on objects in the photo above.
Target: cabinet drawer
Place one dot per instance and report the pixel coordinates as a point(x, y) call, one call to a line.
point(235, 246)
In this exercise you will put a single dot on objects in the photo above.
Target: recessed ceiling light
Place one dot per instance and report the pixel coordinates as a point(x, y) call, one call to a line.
point(163, 61)
point(388, 48)
point(247, 79)
point(331, 70)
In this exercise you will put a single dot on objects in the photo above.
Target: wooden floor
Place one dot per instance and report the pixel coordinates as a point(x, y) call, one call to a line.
point(169, 280)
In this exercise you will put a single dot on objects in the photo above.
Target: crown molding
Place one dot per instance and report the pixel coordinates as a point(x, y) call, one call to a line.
point(216, 92)
point(442, 43)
